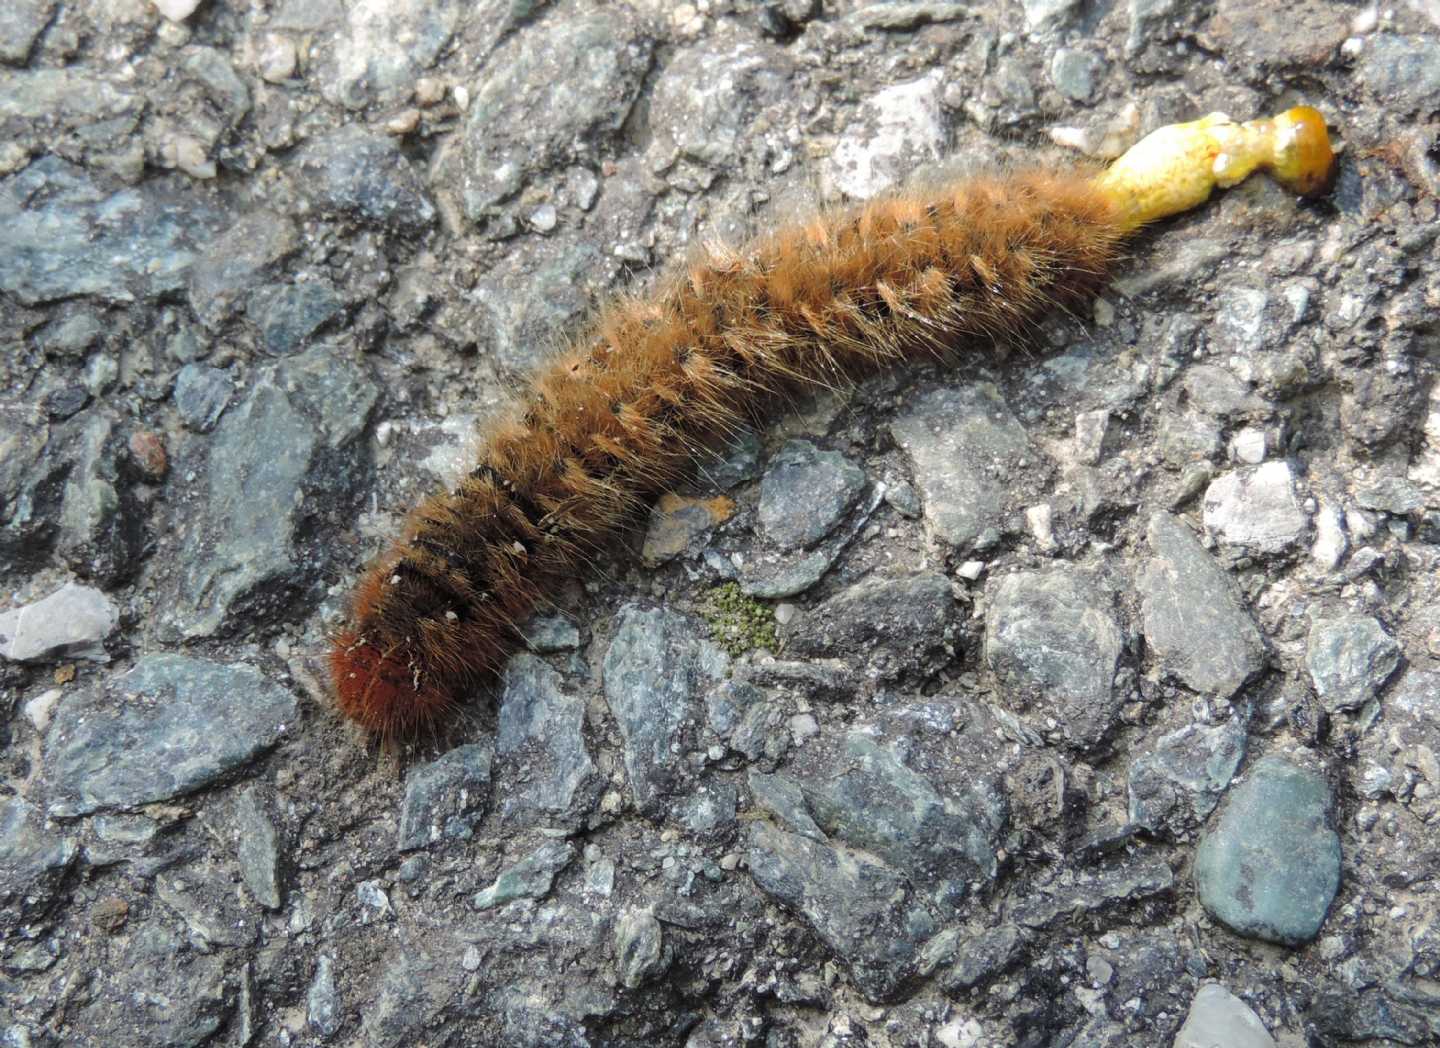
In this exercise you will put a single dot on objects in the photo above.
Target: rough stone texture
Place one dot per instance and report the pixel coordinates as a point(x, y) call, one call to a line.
point(891, 626)
point(446, 798)
point(1177, 784)
point(640, 948)
point(383, 45)
point(432, 196)
point(1350, 659)
point(201, 395)
point(1055, 646)
point(1270, 865)
point(530, 878)
point(1192, 616)
point(558, 119)
point(258, 849)
point(275, 457)
point(167, 727)
point(898, 129)
point(360, 175)
point(540, 745)
point(21, 22)
point(32, 862)
point(961, 442)
point(1256, 509)
point(709, 96)
point(940, 844)
point(237, 261)
point(805, 492)
point(859, 908)
point(1216, 1017)
point(656, 671)
point(64, 233)
point(289, 314)
point(71, 623)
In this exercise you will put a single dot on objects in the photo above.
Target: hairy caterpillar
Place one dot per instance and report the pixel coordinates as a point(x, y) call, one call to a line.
point(609, 422)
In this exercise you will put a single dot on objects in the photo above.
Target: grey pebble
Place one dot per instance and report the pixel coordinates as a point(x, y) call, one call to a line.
point(1077, 73)
point(101, 530)
point(33, 862)
point(655, 674)
point(890, 625)
point(523, 119)
point(362, 175)
point(1403, 70)
point(1054, 644)
point(1175, 785)
point(545, 634)
point(771, 574)
point(273, 454)
point(446, 798)
point(72, 333)
point(167, 727)
point(1192, 616)
point(1269, 866)
point(960, 441)
point(805, 492)
point(71, 623)
point(783, 798)
point(861, 909)
point(202, 394)
point(540, 743)
point(64, 234)
point(258, 849)
point(708, 95)
point(940, 843)
point(288, 314)
point(522, 305)
point(21, 22)
point(322, 1003)
point(1218, 1017)
point(237, 261)
point(1350, 659)
point(640, 951)
point(530, 878)
point(897, 129)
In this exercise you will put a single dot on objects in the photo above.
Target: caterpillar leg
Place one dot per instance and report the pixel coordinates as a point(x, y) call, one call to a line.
point(1177, 167)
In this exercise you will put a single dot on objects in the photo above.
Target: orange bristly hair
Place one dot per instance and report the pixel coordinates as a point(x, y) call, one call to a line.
point(616, 418)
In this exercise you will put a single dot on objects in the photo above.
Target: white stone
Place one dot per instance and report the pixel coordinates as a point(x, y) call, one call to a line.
point(1219, 1019)
point(71, 623)
point(1041, 520)
point(1090, 430)
point(1331, 543)
point(1248, 446)
point(277, 58)
point(1255, 507)
point(39, 709)
point(176, 10)
point(802, 727)
point(1425, 467)
point(960, 1033)
point(897, 129)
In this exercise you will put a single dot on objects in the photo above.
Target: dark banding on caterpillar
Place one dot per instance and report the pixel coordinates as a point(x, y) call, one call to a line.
point(612, 421)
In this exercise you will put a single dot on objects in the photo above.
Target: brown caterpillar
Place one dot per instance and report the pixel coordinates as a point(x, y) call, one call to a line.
point(610, 422)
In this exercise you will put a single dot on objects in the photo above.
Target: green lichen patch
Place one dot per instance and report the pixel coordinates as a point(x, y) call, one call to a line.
point(739, 623)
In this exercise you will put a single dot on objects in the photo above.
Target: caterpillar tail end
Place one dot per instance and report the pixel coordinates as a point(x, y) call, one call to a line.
point(377, 690)
point(1177, 167)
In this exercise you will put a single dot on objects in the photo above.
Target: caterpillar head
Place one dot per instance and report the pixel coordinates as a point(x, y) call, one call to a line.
point(1302, 159)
